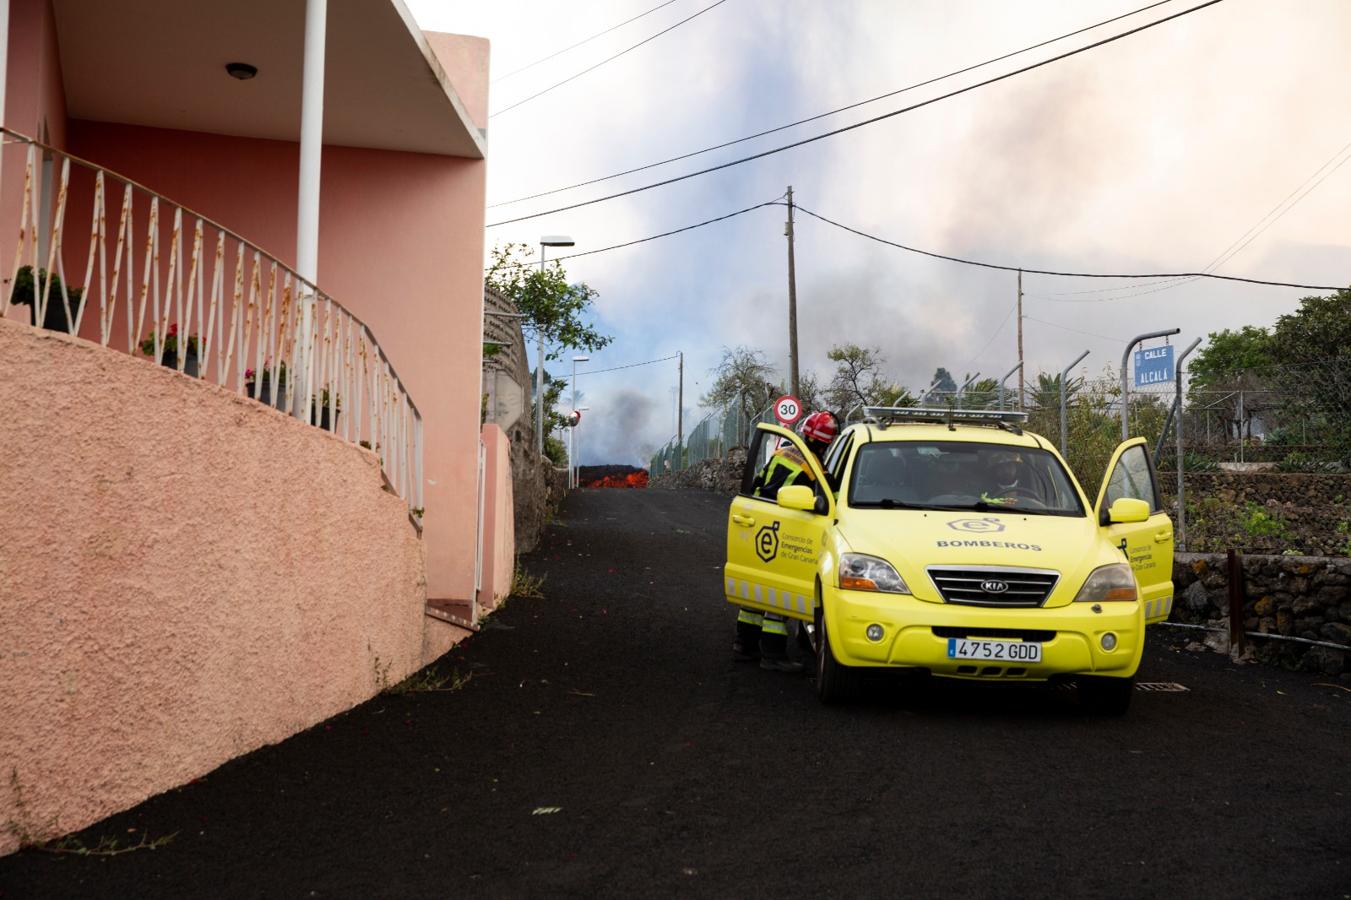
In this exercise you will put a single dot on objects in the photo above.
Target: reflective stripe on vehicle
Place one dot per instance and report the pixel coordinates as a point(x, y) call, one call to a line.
point(768, 596)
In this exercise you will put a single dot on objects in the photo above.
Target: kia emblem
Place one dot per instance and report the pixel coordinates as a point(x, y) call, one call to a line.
point(994, 587)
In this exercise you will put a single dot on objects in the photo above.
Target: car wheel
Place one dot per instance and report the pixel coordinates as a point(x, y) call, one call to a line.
point(835, 682)
point(1106, 696)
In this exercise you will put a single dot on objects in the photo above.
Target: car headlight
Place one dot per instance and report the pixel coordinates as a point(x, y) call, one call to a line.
point(869, 573)
point(1113, 582)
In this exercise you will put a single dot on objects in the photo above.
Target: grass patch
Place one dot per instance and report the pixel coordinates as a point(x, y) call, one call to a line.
point(429, 681)
point(527, 586)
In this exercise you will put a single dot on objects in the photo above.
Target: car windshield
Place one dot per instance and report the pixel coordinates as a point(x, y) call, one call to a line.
point(965, 476)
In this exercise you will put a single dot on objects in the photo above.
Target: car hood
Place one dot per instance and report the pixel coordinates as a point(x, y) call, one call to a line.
point(912, 540)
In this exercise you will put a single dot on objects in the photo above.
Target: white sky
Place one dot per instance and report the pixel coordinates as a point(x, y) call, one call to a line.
point(1154, 153)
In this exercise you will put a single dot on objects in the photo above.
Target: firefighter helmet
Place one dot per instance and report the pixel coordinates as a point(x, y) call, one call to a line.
point(820, 426)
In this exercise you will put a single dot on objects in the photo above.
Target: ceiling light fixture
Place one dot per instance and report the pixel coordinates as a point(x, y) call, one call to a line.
point(242, 71)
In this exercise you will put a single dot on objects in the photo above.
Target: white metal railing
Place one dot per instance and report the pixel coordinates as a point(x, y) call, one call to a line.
point(248, 308)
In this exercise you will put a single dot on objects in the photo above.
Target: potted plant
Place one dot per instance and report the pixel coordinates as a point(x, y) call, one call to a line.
point(319, 416)
point(259, 386)
point(170, 357)
point(26, 292)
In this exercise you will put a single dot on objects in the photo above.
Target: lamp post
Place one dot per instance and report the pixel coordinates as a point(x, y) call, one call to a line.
point(572, 464)
point(578, 479)
point(549, 240)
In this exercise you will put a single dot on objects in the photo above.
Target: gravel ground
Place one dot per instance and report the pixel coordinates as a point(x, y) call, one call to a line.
point(602, 742)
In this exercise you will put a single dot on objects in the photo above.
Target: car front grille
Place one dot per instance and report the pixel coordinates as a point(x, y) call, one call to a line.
point(979, 585)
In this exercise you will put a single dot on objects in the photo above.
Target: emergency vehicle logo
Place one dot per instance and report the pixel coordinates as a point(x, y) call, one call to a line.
point(988, 525)
point(767, 542)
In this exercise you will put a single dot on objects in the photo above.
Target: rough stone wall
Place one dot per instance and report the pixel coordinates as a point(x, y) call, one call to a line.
point(1301, 596)
point(1309, 513)
point(538, 488)
point(1295, 489)
point(721, 475)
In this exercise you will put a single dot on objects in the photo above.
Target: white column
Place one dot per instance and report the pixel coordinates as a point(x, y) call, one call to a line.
point(307, 216)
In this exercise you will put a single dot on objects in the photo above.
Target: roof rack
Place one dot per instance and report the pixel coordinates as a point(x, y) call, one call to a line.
point(891, 415)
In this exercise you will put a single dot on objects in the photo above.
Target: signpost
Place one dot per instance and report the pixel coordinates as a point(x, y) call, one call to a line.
point(1154, 365)
point(787, 409)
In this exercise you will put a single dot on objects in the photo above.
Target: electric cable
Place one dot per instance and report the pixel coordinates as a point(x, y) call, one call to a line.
point(871, 121)
point(855, 105)
point(1229, 252)
point(731, 215)
point(579, 43)
point(1114, 340)
point(629, 366)
point(1031, 271)
point(606, 60)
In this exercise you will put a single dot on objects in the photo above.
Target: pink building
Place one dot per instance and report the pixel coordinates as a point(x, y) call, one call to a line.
point(282, 202)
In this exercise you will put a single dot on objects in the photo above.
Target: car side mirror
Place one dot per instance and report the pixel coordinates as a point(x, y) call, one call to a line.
point(1125, 510)
point(797, 496)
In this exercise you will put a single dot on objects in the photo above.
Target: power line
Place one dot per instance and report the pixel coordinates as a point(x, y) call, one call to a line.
point(1114, 340)
point(856, 125)
point(760, 134)
point(1234, 248)
point(993, 335)
point(629, 366)
point(580, 43)
point(1032, 271)
point(607, 59)
point(731, 215)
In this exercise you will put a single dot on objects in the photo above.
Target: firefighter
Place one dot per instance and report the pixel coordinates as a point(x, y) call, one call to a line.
point(764, 636)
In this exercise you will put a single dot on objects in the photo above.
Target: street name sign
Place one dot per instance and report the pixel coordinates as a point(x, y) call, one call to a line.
point(1154, 366)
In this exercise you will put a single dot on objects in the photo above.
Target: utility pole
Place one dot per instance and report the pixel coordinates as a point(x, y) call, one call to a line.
point(680, 401)
point(792, 302)
point(1020, 340)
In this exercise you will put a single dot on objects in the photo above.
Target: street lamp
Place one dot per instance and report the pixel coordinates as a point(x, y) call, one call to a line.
point(579, 410)
point(549, 240)
point(572, 465)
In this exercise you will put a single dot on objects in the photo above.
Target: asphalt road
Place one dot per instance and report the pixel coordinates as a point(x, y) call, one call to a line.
point(606, 744)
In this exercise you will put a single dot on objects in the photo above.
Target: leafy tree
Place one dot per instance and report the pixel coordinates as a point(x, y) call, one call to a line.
point(858, 379)
point(1227, 354)
point(744, 379)
point(1044, 392)
point(982, 394)
point(1319, 330)
point(552, 307)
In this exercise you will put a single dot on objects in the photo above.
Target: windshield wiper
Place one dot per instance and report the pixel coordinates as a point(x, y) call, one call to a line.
point(885, 503)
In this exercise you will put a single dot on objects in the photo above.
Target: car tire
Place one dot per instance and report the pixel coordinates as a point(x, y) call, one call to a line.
point(1106, 696)
point(836, 683)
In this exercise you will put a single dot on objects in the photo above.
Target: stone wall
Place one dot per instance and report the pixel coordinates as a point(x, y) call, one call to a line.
point(721, 475)
point(538, 489)
point(1266, 512)
point(1298, 596)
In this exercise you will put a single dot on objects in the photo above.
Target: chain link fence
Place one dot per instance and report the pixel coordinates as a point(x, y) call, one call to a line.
point(713, 437)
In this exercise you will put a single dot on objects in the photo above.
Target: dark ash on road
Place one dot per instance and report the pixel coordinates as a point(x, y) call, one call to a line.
point(669, 769)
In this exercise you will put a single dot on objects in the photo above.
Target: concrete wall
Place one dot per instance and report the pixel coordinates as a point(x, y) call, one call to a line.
point(401, 246)
point(499, 544)
point(185, 575)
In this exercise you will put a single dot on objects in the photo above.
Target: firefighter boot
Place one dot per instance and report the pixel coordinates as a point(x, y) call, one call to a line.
point(774, 646)
point(746, 647)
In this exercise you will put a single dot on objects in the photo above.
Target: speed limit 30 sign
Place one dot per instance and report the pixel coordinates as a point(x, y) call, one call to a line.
point(787, 409)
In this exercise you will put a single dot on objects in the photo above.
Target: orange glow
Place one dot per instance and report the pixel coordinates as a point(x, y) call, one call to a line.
point(849, 583)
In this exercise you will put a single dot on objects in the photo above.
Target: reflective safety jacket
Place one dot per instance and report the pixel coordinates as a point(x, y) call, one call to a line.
point(785, 467)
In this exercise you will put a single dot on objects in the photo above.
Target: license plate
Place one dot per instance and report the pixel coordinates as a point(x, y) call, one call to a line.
point(995, 651)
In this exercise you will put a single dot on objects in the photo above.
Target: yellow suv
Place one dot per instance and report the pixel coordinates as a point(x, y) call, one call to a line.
point(958, 544)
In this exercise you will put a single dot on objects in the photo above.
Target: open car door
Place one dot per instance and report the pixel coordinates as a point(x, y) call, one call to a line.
point(773, 545)
point(1146, 543)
